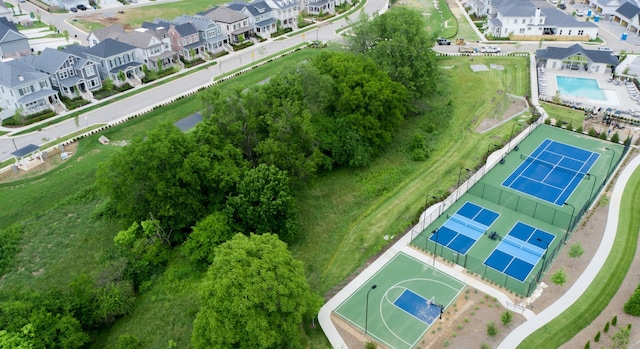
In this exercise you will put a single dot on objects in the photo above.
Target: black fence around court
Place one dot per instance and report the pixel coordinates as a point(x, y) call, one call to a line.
point(524, 205)
point(477, 267)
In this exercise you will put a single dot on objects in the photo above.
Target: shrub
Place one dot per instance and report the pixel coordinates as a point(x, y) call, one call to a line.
point(579, 129)
point(547, 121)
point(371, 345)
point(506, 318)
point(592, 132)
point(576, 250)
point(559, 277)
point(603, 135)
point(492, 330)
point(484, 346)
point(128, 341)
point(606, 327)
point(588, 345)
point(632, 306)
point(614, 321)
point(597, 337)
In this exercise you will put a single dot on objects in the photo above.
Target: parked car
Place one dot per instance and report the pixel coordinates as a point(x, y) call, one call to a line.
point(73, 9)
point(442, 41)
point(605, 49)
point(82, 7)
point(489, 49)
point(579, 13)
point(562, 6)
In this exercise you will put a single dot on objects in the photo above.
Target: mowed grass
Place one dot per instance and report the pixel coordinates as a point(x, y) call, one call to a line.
point(569, 115)
point(345, 215)
point(606, 283)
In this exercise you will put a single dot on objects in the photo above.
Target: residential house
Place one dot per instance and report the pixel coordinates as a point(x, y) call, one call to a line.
point(98, 35)
point(609, 7)
point(12, 43)
point(71, 75)
point(319, 7)
point(235, 25)
point(184, 38)
point(155, 52)
point(261, 18)
point(578, 58)
point(522, 20)
point(25, 90)
point(210, 32)
point(5, 12)
point(111, 58)
point(285, 12)
point(628, 16)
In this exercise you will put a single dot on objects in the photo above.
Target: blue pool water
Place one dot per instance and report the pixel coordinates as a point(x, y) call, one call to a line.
point(580, 87)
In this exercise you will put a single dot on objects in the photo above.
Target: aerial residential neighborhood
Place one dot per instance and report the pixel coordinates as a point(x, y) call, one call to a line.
point(319, 174)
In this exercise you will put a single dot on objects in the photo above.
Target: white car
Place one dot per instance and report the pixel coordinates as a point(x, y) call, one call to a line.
point(579, 13)
point(489, 49)
point(605, 49)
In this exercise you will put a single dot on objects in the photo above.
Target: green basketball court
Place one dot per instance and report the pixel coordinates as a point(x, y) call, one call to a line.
point(406, 300)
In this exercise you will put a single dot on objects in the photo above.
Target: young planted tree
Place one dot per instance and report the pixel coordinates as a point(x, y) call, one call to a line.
point(506, 318)
point(559, 277)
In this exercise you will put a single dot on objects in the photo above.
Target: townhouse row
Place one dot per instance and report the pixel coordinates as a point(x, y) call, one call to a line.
point(30, 84)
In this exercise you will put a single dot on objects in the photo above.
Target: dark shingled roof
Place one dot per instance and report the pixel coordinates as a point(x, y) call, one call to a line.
point(628, 10)
point(562, 53)
point(27, 149)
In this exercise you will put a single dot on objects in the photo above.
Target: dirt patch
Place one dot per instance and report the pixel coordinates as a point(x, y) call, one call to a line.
point(465, 324)
point(506, 109)
point(50, 163)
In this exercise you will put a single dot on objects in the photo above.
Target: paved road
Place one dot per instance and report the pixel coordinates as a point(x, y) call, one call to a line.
point(142, 100)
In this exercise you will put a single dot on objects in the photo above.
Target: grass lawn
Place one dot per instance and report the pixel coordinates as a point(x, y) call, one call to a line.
point(570, 115)
point(608, 280)
point(134, 16)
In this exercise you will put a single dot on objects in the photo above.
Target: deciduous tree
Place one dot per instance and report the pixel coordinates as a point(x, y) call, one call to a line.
point(254, 296)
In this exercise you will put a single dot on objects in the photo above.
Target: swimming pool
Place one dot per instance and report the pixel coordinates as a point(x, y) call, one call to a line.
point(580, 87)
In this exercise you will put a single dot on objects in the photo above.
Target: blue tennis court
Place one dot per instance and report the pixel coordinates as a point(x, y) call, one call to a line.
point(417, 306)
point(552, 172)
point(464, 227)
point(519, 251)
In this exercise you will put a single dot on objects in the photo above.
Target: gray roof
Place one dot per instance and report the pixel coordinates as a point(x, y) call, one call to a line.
point(46, 92)
point(77, 50)
point(199, 22)
point(517, 8)
point(224, 15)
point(125, 67)
point(7, 26)
point(282, 4)
point(555, 17)
point(109, 47)
point(27, 149)
point(185, 29)
point(628, 10)
point(141, 39)
point(16, 73)
point(495, 22)
point(562, 53)
point(108, 32)
point(266, 22)
point(50, 60)
point(256, 8)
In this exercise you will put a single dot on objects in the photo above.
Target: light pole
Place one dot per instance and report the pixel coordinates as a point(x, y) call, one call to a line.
point(459, 176)
point(366, 312)
point(593, 186)
point(544, 256)
point(435, 248)
point(573, 211)
point(511, 135)
point(610, 162)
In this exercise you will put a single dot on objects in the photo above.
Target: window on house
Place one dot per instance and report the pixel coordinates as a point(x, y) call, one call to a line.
point(521, 30)
point(524, 21)
point(43, 84)
point(580, 32)
point(569, 33)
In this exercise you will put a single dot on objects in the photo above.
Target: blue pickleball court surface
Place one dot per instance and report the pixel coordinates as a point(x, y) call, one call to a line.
point(520, 251)
point(417, 306)
point(552, 172)
point(464, 227)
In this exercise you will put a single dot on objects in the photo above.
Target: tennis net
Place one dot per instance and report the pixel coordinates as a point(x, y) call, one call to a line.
point(574, 173)
point(457, 218)
point(524, 247)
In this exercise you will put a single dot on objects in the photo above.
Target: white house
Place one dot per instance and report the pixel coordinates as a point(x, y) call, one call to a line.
point(285, 12)
point(522, 20)
point(578, 58)
point(24, 89)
